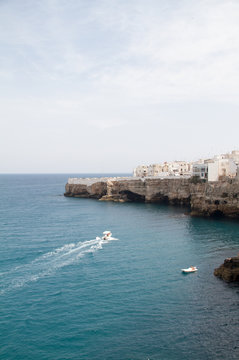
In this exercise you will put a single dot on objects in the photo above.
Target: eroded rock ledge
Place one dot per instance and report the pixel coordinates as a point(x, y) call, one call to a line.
point(206, 199)
point(229, 270)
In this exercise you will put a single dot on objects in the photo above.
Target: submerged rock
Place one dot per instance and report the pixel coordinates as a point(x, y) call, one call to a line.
point(229, 270)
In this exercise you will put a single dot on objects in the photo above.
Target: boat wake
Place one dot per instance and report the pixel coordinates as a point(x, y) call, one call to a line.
point(47, 264)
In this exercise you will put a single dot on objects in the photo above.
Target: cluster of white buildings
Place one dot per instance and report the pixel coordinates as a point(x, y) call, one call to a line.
point(220, 166)
point(174, 168)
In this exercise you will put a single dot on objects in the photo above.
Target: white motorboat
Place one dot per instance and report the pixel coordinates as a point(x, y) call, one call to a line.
point(191, 269)
point(107, 235)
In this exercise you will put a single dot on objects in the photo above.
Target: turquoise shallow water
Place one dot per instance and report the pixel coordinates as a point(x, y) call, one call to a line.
point(64, 295)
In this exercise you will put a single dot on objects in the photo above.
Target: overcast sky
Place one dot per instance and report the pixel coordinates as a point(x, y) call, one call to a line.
point(106, 85)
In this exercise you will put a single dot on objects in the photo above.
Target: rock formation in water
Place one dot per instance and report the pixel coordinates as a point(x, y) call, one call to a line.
point(229, 270)
point(86, 188)
point(204, 198)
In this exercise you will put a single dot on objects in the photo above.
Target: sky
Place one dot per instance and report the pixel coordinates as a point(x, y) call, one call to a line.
point(103, 86)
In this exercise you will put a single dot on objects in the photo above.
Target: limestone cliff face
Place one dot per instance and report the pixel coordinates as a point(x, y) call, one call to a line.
point(207, 199)
point(95, 190)
point(217, 198)
point(172, 191)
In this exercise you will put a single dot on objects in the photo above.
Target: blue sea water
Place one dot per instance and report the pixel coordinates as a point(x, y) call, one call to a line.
point(66, 295)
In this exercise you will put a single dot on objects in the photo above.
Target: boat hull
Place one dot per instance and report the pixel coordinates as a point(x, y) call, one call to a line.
point(189, 270)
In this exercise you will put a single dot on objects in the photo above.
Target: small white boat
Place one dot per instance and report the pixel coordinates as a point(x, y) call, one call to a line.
point(191, 269)
point(107, 235)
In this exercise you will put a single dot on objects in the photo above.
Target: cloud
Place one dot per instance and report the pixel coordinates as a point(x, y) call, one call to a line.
point(156, 50)
point(87, 68)
point(191, 54)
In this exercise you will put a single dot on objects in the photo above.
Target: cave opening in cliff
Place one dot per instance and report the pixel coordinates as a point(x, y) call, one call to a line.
point(131, 196)
point(160, 198)
point(217, 214)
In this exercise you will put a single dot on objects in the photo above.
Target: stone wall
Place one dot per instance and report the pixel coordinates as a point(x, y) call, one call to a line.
point(204, 198)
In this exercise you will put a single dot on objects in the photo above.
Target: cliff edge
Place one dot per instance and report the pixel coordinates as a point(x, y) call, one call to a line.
point(219, 198)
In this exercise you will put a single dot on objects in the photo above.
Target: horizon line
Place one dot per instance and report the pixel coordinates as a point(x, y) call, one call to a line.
point(62, 173)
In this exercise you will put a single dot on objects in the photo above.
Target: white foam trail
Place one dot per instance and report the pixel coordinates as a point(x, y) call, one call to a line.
point(49, 263)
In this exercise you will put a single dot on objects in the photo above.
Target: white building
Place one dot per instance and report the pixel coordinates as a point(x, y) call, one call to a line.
point(180, 168)
point(220, 167)
point(155, 170)
point(200, 170)
point(234, 156)
point(141, 171)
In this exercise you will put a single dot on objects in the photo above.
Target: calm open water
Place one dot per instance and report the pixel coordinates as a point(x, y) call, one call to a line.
point(64, 295)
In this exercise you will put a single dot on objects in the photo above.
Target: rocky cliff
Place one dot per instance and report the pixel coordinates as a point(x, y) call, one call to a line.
point(203, 198)
point(219, 198)
point(229, 270)
point(86, 188)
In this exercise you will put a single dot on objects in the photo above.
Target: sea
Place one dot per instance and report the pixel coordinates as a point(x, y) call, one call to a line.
point(66, 295)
